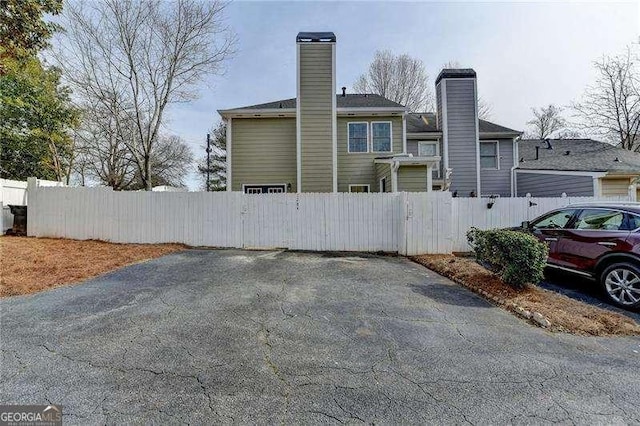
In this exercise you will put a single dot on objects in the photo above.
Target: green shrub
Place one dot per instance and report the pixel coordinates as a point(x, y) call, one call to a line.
point(518, 258)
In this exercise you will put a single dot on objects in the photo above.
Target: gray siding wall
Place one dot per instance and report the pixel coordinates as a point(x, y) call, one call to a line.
point(462, 135)
point(499, 181)
point(412, 178)
point(263, 151)
point(316, 126)
point(382, 171)
point(546, 185)
point(358, 168)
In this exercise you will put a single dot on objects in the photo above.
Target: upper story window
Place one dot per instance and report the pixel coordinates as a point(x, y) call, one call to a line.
point(381, 140)
point(358, 137)
point(489, 155)
point(427, 149)
point(430, 149)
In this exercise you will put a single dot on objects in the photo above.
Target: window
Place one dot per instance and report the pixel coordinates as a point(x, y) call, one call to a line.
point(489, 155)
point(383, 184)
point(427, 149)
point(600, 220)
point(359, 188)
point(430, 149)
point(554, 220)
point(381, 136)
point(358, 137)
point(277, 188)
point(634, 222)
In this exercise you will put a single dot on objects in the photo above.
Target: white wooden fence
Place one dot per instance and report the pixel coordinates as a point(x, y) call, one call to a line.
point(407, 223)
point(15, 192)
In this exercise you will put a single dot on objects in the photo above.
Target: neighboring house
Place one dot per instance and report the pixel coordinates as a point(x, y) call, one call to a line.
point(321, 141)
point(575, 167)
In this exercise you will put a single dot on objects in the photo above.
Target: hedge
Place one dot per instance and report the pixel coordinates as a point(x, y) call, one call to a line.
point(518, 258)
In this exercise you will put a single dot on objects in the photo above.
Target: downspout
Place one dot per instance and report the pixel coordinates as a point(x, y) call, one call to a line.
point(514, 183)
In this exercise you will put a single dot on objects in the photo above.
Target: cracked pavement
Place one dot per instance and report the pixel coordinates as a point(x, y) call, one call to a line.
point(231, 336)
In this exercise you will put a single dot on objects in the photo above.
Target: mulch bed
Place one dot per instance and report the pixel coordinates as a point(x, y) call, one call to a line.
point(563, 313)
point(29, 265)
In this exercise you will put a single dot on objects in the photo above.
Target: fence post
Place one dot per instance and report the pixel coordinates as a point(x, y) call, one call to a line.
point(403, 235)
point(632, 192)
point(32, 203)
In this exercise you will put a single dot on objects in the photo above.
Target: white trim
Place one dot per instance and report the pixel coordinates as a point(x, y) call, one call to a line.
point(409, 161)
point(298, 125)
point(258, 113)
point(516, 159)
point(429, 177)
point(229, 139)
point(361, 184)
point(404, 133)
point(475, 99)
point(384, 178)
point(597, 187)
point(374, 110)
point(425, 135)
point(390, 136)
point(334, 119)
point(562, 172)
point(349, 137)
point(497, 155)
point(394, 175)
point(264, 184)
point(445, 125)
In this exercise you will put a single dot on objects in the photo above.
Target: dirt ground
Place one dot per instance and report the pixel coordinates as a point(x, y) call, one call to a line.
point(564, 313)
point(29, 265)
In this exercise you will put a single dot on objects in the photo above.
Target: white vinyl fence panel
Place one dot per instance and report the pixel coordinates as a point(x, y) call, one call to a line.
point(504, 213)
point(14, 192)
point(407, 223)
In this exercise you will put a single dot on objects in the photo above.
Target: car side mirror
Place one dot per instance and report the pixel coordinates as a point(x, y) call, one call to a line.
point(525, 224)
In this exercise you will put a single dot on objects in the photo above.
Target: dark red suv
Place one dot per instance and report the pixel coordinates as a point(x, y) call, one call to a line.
point(600, 241)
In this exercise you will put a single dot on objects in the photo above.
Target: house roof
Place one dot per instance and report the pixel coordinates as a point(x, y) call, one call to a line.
point(425, 122)
point(577, 155)
point(350, 100)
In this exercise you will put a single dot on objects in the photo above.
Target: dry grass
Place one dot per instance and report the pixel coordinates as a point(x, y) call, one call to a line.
point(564, 313)
point(29, 265)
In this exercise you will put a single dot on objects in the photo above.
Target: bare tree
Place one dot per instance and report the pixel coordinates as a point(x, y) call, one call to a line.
point(484, 108)
point(136, 57)
point(101, 151)
point(547, 122)
point(610, 108)
point(400, 78)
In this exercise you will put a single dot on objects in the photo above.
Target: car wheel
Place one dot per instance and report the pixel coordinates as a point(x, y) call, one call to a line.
point(621, 284)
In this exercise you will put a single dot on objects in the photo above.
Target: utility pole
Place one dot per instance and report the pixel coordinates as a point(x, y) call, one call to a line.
point(208, 161)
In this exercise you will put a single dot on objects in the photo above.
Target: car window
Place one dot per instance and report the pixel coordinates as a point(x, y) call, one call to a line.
point(554, 220)
point(600, 220)
point(634, 222)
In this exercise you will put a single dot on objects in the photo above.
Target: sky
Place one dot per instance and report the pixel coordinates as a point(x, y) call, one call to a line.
point(525, 54)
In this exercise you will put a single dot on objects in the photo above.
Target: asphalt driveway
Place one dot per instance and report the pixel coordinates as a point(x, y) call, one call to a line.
point(232, 336)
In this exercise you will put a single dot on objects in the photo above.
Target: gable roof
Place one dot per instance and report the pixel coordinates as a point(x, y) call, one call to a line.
point(425, 122)
point(350, 100)
point(583, 155)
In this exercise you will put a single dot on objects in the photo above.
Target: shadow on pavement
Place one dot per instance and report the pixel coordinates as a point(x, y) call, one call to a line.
point(450, 295)
point(582, 289)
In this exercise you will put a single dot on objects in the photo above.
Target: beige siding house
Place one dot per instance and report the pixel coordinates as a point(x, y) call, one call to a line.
point(321, 141)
